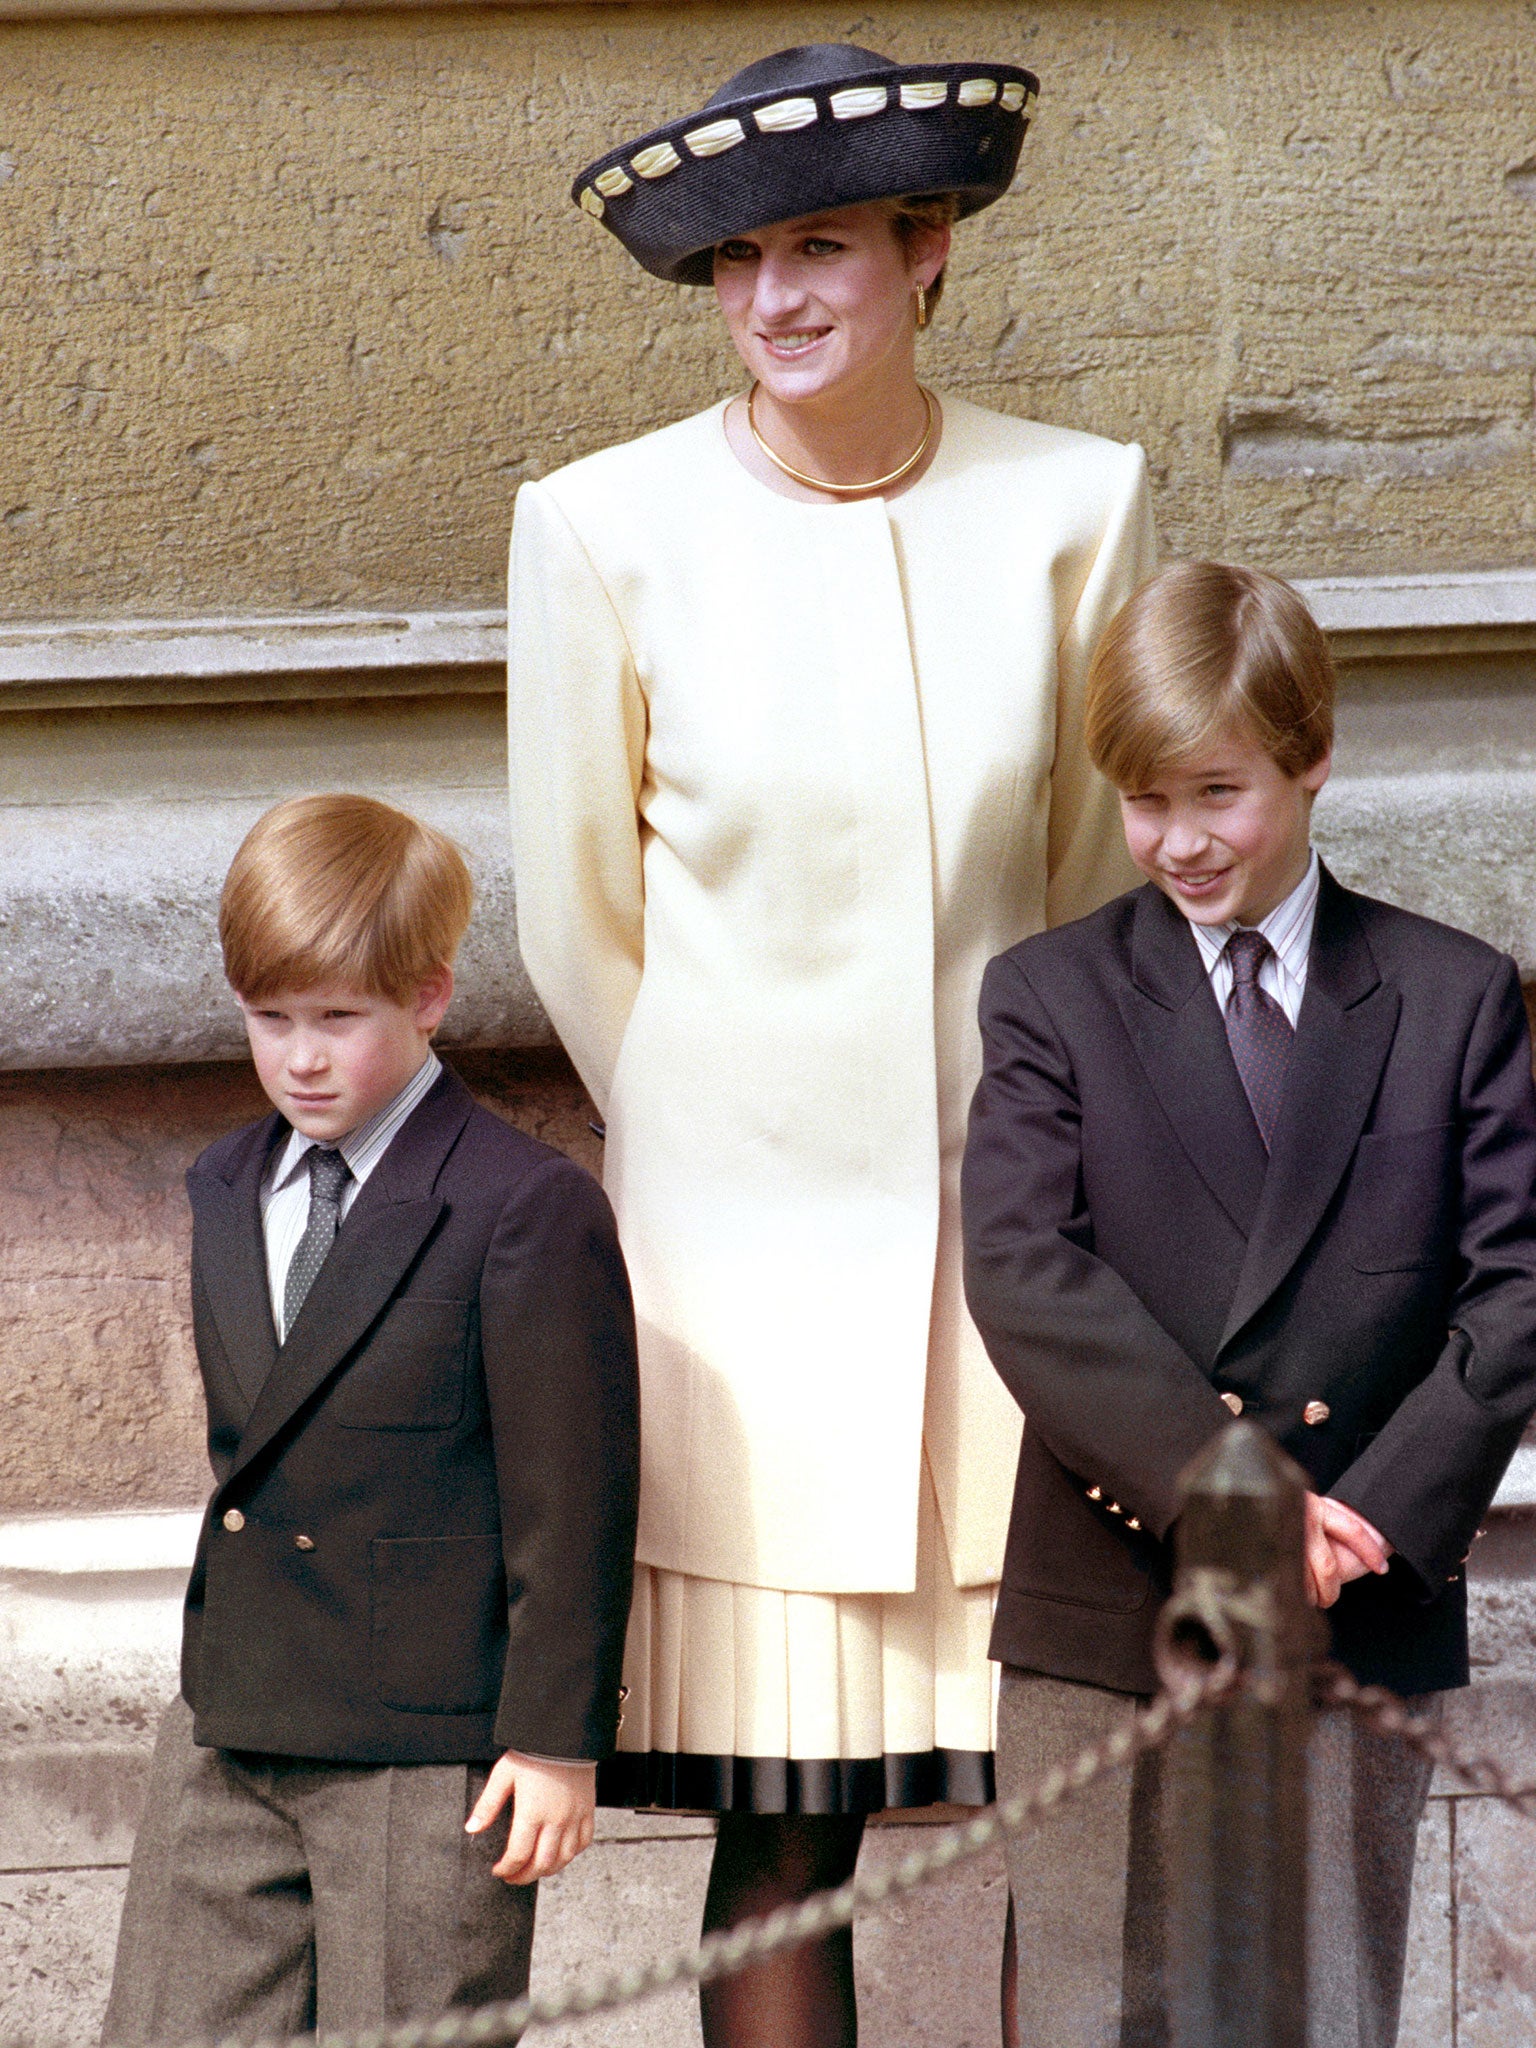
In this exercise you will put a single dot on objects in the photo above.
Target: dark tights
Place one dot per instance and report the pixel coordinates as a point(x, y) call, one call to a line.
point(802, 1997)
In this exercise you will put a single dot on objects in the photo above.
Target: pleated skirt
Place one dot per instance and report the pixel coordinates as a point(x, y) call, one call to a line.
point(746, 1699)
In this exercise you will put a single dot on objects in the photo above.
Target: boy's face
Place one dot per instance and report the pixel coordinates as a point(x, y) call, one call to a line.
point(330, 1058)
point(1226, 834)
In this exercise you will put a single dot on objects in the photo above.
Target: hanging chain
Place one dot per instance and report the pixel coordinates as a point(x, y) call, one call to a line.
point(752, 1941)
point(1390, 1716)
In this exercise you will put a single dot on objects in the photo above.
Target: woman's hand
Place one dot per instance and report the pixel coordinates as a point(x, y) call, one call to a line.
point(552, 1813)
point(1341, 1546)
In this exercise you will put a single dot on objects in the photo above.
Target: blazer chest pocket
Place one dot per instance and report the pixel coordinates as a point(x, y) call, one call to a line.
point(1402, 1197)
point(439, 1622)
point(410, 1372)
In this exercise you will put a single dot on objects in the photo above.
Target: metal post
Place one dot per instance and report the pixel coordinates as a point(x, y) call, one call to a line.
point(1236, 1788)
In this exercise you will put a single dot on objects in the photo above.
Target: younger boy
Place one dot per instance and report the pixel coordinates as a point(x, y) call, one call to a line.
point(409, 1600)
point(1245, 1143)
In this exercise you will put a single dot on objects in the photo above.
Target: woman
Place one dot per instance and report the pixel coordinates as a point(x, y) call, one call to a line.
point(796, 702)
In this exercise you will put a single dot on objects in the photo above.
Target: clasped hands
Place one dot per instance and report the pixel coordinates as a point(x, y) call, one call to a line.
point(552, 1812)
point(1341, 1546)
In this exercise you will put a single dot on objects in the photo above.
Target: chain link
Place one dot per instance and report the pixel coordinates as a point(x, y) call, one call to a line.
point(1390, 1716)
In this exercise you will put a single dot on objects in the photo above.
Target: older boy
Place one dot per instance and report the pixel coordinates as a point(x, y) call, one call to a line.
point(1246, 1143)
point(409, 1599)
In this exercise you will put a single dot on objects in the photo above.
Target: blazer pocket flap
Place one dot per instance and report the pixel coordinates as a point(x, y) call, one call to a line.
point(409, 1373)
point(439, 1631)
point(1400, 1206)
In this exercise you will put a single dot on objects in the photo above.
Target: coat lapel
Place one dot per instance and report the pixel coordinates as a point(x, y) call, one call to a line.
point(386, 1227)
point(1343, 1035)
point(1182, 1044)
point(231, 1257)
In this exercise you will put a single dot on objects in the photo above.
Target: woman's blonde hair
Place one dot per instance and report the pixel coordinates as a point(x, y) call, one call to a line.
point(1200, 648)
point(920, 214)
point(343, 890)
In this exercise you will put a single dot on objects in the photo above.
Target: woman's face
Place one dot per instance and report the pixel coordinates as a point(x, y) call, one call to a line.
point(825, 301)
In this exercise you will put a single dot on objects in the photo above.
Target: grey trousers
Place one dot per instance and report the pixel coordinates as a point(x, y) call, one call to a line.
point(1087, 1884)
point(273, 1895)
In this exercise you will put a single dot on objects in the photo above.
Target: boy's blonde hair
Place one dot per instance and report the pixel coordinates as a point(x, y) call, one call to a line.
point(1199, 648)
point(343, 890)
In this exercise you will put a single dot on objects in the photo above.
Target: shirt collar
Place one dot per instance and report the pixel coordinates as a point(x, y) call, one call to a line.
point(364, 1147)
point(1288, 927)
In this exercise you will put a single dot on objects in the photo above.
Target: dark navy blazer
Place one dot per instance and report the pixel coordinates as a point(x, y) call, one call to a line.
point(420, 1543)
point(1368, 1292)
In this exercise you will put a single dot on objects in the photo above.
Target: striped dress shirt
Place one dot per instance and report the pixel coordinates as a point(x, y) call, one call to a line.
point(1288, 929)
point(285, 1191)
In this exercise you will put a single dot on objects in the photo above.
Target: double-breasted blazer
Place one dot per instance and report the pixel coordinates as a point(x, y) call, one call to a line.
point(1367, 1290)
point(420, 1542)
point(785, 777)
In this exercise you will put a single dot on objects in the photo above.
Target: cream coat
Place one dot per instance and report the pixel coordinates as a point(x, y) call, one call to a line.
point(785, 777)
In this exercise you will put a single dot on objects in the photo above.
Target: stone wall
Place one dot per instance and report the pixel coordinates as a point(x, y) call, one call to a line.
point(293, 303)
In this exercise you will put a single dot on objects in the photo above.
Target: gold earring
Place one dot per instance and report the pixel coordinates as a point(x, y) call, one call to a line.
point(922, 307)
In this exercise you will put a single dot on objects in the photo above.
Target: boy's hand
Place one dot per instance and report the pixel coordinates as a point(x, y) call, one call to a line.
point(552, 1809)
point(1341, 1546)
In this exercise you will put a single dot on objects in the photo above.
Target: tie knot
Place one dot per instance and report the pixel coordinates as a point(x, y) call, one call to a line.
point(328, 1173)
point(1247, 950)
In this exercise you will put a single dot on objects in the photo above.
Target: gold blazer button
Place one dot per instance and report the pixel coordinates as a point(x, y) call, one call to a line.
point(303, 1542)
point(234, 1521)
point(1316, 1412)
point(1234, 1402)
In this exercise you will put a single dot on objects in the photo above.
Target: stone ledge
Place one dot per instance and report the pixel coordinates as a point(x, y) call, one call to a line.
point(109, 10)
point(82, 664)
point(108, 923)
point(1376, 618)
point(85, 662)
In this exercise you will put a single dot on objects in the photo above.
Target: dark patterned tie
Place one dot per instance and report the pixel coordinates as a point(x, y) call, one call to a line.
point(328, 1175)
point(1258, 1031)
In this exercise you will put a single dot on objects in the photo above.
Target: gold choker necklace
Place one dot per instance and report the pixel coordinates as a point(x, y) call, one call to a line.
point(879, 483)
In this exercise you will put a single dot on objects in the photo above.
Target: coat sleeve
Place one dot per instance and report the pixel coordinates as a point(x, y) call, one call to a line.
point(1101, 1382)
point(558, 1339)
point(1427, 1478)
point(1086, 859)
point(577, 729)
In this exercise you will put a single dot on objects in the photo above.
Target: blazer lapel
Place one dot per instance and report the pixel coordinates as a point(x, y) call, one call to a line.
point(232, 1260)
point(387, 1225)
point(1182, 1044)
point(1343, 1035)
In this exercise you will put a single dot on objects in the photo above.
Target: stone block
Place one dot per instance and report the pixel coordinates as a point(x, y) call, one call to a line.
point(1429, 1980)
point(1406, 837)
point(928, 1963)
point(58, 1931)
point(98, 1386)
point(1495, 1926)
point(70, 1805)
point(624, 1902)
point(108, 917)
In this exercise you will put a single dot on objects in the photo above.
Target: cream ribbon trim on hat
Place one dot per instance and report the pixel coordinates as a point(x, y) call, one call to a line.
point(858, 102)
point(715, 138)
point(656, 161)
point(784, 115)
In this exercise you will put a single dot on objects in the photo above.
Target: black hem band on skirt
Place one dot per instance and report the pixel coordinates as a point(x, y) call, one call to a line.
point(776, 1784)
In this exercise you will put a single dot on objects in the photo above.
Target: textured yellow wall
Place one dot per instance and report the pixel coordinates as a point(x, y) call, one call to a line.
point(289, 305)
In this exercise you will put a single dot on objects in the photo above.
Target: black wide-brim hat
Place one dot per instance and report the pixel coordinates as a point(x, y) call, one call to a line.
point(809, 129)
